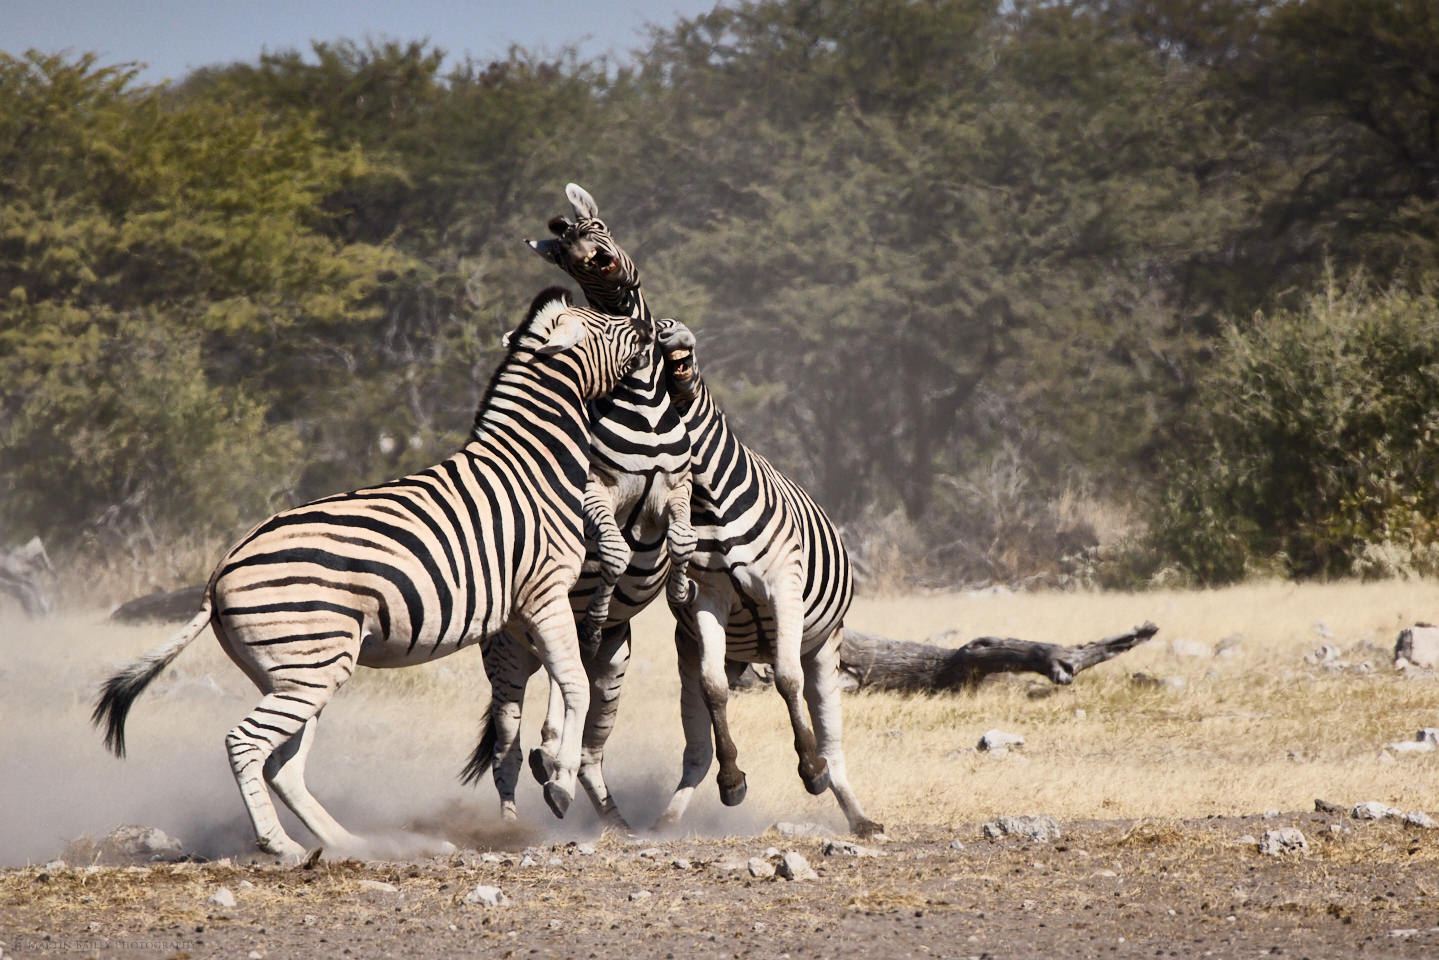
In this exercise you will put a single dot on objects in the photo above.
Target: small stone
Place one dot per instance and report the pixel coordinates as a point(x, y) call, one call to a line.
point(1271, 814)
point(554, 924)
point(1079, 713)
point(1411, 747)
point(1324, 655)
point(843, 848)
point(956, 844)
point(486, 896)
point(529, 861)
point(222, 898)
point(639, 895)
point(1040, 827)
point(377, 886)
point(680, 863)
point(1373, 810)
point(1247, 840)
point(999, 740)
point(729, 866)
point(771, 852)
point(585, 849)
point(246, 885)
point(1420, 819)
point(309, 919)
point(1106, 874)
point(493, 858)
point(1403, 934)
point(793, 866)
point(791, 830)
point(1325, 806)
point(760, 868)
point(256, 955)
point(1285, 840)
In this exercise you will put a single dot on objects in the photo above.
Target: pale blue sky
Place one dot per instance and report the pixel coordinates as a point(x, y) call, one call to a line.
point(174, 36)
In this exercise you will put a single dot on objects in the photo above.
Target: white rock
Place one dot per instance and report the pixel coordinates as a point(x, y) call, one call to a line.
point(1283, 841)
point(255, 955)
point(222, 898)
point(1419, 645)
point(1418, 818)
point(1410, 747)
point(956, 844)
point(486, 896)
point(133, 840)
point(1325, 654)
point(639, 895)
point(1040, 827)
point(1373, 810)
point(793, 866)
point(999, 740)
point(760, 867)
point(585, 849)
point(1271, 814)
point(843, 848)
point(680, 863)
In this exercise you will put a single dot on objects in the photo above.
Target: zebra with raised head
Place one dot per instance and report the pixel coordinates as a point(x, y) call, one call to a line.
point(414, 569)
point(637, 522)
point(756, 532)
point(774, 586)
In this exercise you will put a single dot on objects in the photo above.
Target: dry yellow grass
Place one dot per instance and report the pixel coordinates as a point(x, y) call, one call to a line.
point(1256, 729)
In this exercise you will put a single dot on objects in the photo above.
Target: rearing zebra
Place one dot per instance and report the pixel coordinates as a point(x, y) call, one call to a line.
point(637, 519)
point(774, 586)
point(414, 569)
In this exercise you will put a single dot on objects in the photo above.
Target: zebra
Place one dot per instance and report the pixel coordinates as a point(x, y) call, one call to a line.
point(637, 518)
point(774, 585)
point(414, 569)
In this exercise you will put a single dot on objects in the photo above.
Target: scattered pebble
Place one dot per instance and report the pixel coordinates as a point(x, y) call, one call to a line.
point(680, 863)
point(1040, 827)
point(1420, 819)
point(1373, 810)
point(1271, 814)
point(793, 866)
point(1325, 806)
point(843, 848)
point(486, 896)
point(639, 895)
point(377, 886)
point(1283, 841)
point(585, 849)
point(956, 844)
point(998, 740)
point(222, 898)
point(760, 868)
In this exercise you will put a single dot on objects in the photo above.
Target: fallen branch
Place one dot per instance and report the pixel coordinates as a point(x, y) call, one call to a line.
point(168, 606)
point(878, 663)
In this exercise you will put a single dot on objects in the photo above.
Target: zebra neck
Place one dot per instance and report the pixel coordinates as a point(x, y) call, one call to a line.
point(533, 412)
point(617, 301)
point(711, 440)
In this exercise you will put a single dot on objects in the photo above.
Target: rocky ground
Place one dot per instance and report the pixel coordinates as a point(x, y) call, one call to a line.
point(1346, 887)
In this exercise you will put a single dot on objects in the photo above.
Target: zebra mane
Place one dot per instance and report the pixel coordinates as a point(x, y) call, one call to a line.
point(544, 306)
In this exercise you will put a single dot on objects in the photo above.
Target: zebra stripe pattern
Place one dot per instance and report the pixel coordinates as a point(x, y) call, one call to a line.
point(637, 524)
point(774, 586)
point(414, 569)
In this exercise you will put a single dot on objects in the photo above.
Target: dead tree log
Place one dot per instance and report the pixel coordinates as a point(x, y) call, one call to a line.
point(878, 663)
point(168, 606)
point(20, 572)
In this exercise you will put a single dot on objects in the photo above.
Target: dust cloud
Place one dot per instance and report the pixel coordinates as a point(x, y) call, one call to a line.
point(385, 761)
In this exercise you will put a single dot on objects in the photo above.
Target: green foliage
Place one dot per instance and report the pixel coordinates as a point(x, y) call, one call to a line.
point(1315, 449)
point(950, 262)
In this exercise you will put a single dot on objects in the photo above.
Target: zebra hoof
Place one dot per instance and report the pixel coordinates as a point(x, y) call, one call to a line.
point(815, 782)
point(538, 767)
point(558, 798)
point(732, 795)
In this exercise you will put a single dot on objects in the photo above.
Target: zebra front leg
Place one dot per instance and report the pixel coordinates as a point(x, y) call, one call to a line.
point(680, 590)
point(695, 719)
point(285, 771)
point(607, 673)
point(789, 681)
point(711, 618)
point(614, 558)
point(552, 628)
point(821, 692)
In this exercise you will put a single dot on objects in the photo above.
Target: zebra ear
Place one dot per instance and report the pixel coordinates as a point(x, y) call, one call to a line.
point(567, 331)
point(580, 199)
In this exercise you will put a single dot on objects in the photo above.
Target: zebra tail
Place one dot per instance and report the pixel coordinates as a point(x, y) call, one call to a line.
point(484, 753)
point(120, 691)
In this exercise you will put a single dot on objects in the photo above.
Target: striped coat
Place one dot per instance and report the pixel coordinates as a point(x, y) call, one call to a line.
point(414, 569)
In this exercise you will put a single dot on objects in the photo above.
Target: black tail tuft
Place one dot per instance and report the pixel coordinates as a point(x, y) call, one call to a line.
point(483, 756)
point(116, 697)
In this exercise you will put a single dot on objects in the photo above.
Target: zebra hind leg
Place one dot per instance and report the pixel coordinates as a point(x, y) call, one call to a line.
point(821, 693)
point(285, 771)
point(278, 719)
point(699, 745)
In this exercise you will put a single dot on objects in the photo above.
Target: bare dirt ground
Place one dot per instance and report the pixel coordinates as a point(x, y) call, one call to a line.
point(1103, 889)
